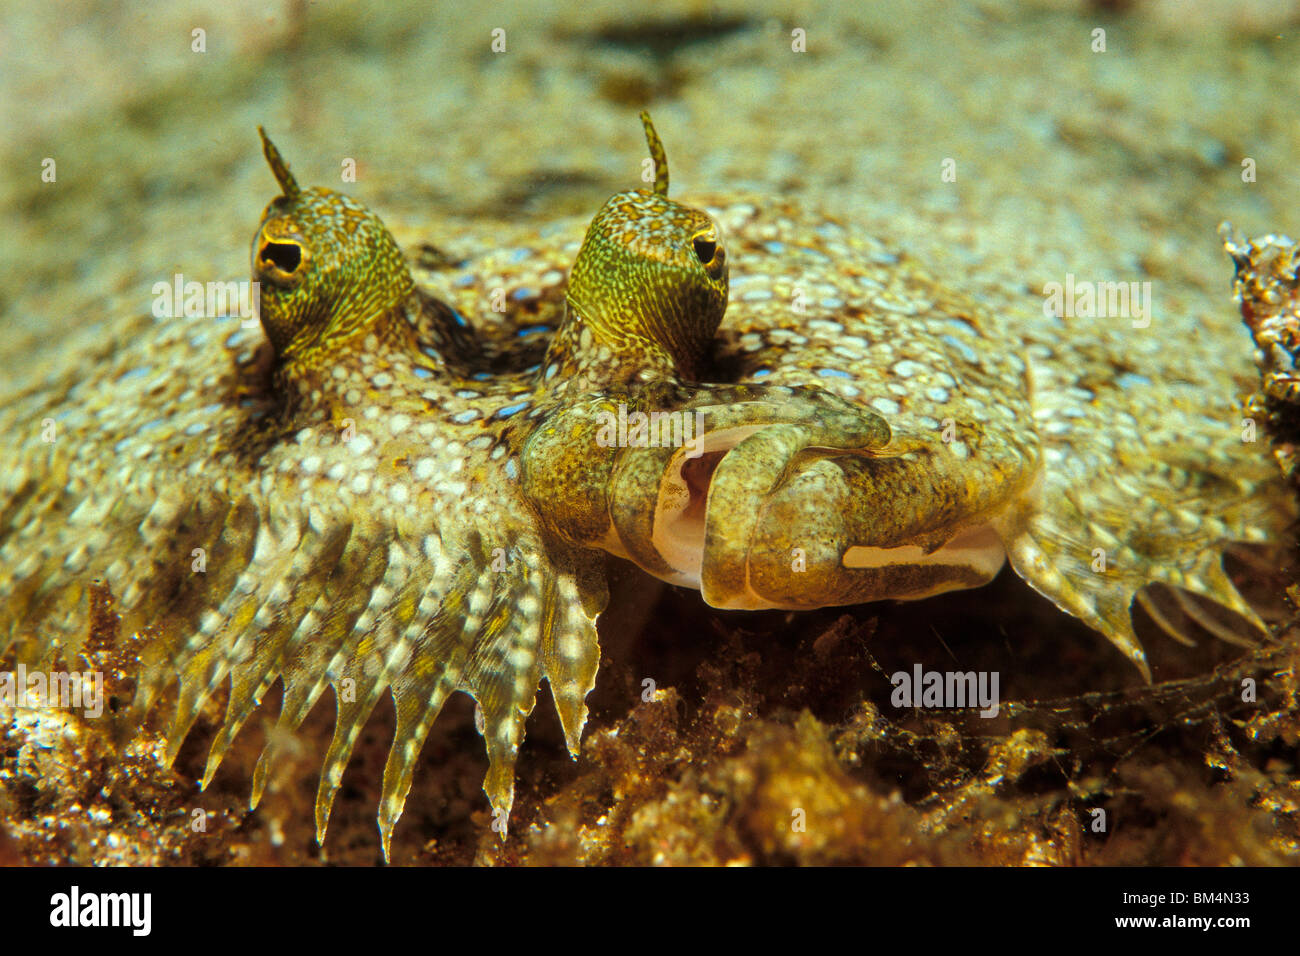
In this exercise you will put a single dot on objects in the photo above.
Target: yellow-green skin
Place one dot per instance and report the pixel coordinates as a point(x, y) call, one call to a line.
point(388, 490)
point(646, 293)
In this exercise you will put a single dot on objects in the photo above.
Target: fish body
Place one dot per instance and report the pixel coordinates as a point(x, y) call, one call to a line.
point(400, 484)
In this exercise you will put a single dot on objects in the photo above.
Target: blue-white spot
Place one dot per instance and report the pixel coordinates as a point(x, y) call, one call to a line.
point(523, 292)
point(886, 406)
point(458, 318)
point(463, 281)
point(533, 330)
point(1131, 380)
point(833, 373)
point(481, 376)
point(465, 417)
point(762, 373)
point(960, 326)
point(964, 350)
point(421, 372)
point(510, 410)
point(774, 247)
point(134, 373)
point(512, 470)
point(519, 255)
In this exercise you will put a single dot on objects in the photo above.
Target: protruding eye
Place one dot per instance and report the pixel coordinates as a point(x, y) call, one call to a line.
point(280, 260)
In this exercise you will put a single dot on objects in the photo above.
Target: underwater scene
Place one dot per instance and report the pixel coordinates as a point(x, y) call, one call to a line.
point(686, 434)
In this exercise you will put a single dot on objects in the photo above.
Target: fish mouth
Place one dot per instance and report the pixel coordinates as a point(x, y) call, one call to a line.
point(692, 517)
point(681, 514)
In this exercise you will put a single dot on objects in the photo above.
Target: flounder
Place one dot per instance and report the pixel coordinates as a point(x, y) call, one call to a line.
point(390, 488)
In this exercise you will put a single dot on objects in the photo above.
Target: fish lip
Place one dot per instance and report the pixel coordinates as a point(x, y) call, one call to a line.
point(681, 510)
point(686, 496)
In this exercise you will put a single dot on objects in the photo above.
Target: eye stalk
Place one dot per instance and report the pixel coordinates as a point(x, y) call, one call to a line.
point(329, 272)
point(648, 289)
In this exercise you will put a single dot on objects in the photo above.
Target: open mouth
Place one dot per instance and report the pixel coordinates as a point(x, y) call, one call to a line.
point(680, 517)
point(971, 554)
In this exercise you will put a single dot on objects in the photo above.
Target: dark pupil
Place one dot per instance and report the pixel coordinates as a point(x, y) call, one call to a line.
point(285, 256)
point(704, 250)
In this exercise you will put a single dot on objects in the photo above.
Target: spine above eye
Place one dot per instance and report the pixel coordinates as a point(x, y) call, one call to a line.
point(647, 291)
point(332, 278)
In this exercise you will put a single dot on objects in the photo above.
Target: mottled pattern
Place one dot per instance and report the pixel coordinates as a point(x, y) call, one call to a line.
point(646, 293)
point(1267, 286)
point(1070, 437)
point(404, 490)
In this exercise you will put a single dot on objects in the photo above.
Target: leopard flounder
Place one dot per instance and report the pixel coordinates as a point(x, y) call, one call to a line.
point(393, 491)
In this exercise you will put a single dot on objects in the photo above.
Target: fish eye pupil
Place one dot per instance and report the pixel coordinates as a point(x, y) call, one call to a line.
point(704, 249)
point(285, 256)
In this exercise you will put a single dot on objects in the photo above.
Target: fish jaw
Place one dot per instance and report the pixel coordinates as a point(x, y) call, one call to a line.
point(777, 518)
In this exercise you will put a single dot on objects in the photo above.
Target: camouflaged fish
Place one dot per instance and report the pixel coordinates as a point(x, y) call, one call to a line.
point(400, 489)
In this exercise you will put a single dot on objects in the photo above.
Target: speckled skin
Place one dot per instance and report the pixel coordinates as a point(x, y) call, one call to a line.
point(401, 490)
point(1267, 286)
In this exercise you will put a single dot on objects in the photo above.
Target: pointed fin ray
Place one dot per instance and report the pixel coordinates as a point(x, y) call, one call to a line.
point(503, 672)
point(196, 646)
point(250, 677)
point(572, 602)
point(1093, 550)
point(382, 649)
point(317, 655)
point(431, 674)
